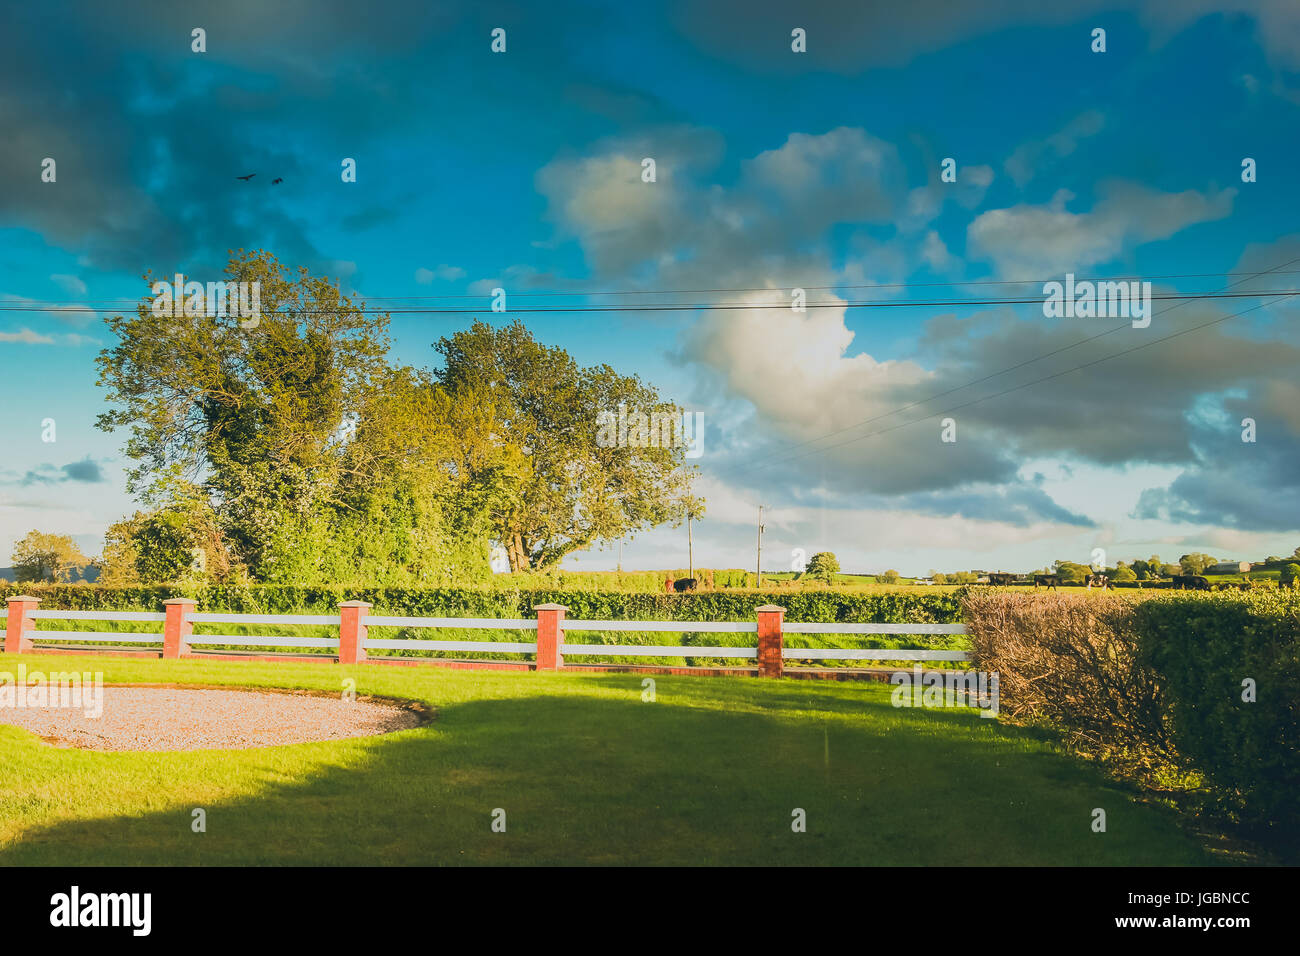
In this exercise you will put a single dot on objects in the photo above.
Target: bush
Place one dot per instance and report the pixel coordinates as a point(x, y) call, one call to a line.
point(1156, 683)
point(1205, 646)
point(820, 605)
point(1072, 660)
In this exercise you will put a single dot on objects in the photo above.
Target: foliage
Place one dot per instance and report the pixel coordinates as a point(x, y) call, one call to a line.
point(1160, 683)
point(823, 566)
point(568, 488)
point(1071, 659)
point(1206, 647)
point(1196, 562)
point(47, 557)
point(916, 606)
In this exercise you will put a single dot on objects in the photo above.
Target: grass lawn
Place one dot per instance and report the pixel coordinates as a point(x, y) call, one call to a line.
point(587, 773)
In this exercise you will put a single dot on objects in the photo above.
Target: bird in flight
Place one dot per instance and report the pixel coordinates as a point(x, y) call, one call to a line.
point(246, 178)
point(275, 181)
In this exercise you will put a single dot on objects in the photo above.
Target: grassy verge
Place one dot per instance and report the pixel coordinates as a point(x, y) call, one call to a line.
point(588, 773)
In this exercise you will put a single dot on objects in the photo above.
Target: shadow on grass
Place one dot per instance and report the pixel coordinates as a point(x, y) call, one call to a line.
point(712, 772)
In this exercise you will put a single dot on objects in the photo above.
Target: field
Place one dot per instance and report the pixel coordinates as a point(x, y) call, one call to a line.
point(587, 772)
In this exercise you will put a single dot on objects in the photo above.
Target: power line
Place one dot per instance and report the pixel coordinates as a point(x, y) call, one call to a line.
point(705, 307)
point(127, 302)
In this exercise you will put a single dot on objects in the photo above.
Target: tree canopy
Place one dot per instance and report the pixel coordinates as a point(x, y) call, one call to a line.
point(823, 566)
point(47, 557)
point(559, 488)
point(294, 450)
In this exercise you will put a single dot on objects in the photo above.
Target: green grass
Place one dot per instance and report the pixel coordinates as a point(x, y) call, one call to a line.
point(587, 773)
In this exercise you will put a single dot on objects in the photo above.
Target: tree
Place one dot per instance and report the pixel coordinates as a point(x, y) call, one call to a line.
point(316, 460)
point(117, 565)
point(47, 557)
point(1124, 573)
point(1196, 562)
point(938, 577)
point(823, 566)
point(1291, 573)
point(577, 482)
point(692, 510)
point(889, 577)
point(1071, 571)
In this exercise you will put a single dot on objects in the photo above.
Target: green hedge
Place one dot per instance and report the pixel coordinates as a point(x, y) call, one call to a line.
point(1204, 646)
point(821, 606)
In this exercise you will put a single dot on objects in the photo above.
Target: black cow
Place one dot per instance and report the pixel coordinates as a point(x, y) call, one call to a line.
point(1050, 581)
point(1001, 579)
point(1191, 582)
point(685, 584)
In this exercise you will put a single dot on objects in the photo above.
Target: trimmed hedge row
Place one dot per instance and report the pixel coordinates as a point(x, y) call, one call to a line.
point(1207, 647)
point(1162, 682)
point(821, 606)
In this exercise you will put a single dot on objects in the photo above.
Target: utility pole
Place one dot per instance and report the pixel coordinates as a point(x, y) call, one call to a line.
point(759, 567)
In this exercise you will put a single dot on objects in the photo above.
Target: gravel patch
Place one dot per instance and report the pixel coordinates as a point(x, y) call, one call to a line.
point(189, 718)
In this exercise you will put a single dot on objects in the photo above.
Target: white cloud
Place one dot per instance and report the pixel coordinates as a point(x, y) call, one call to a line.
point(446, 272)
point(69, 284)
point(1035, 241)
point(26, 337)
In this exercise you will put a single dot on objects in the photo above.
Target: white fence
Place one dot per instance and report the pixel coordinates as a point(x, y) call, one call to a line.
point(551, 645)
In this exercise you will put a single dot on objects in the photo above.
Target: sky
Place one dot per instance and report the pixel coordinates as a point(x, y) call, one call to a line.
point(774, 170)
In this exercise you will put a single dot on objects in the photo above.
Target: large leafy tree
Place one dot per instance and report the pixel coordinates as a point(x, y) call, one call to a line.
point(320, 461)
point(823, 566)
point(1196, 562)
point(47, 557)
point(554, 487)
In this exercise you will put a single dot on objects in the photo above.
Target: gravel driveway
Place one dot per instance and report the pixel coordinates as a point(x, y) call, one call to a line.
point(180, 718)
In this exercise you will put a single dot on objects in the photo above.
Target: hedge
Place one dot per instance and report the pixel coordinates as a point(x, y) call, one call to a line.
point(1158, 683)
point(1205, 647)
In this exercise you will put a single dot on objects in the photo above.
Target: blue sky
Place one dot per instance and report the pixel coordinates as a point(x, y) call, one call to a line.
point(774, 169)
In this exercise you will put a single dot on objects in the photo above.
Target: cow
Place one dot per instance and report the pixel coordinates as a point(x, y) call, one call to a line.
point(1050, 581)
point(1097, 579)
point(1000, 579)
point(1191, 582)
point(685, 584)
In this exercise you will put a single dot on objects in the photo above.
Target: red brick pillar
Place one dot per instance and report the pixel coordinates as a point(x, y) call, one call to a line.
point(16, 639)
point(177, 628)
point(769, 640)
point(550, 634)
point(352, 631)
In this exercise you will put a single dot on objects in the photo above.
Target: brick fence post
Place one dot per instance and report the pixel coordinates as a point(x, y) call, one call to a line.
point(16, 639)
point(770, 618)
point(352, 631)
point(177, 627)
point(550, 632)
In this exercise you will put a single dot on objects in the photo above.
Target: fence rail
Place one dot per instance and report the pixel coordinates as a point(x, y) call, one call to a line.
point(548, 650)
